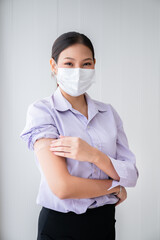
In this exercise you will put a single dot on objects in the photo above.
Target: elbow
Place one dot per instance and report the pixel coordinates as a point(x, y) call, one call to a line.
point(62, 194)
point(61, 190)
point(135, 178)
point(132, 180)
point(133, 175)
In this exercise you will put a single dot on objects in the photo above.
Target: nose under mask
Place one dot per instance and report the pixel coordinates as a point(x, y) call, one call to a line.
point(75, 81)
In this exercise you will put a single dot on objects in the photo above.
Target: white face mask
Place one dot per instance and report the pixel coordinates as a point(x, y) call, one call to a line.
point(75, 81)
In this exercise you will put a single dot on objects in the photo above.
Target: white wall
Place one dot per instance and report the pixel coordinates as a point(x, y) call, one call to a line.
point(126, 37)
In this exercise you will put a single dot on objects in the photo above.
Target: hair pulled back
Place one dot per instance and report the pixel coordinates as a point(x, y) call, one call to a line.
point(68, 39)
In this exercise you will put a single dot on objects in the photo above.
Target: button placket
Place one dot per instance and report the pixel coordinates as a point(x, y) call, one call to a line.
point(96, 144)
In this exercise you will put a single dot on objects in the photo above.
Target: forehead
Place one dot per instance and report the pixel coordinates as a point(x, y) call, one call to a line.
point(76, 51)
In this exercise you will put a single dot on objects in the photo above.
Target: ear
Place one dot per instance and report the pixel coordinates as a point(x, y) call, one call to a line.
point(53, 65)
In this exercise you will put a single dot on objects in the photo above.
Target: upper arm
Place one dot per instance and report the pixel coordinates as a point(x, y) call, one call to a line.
point(39, 124)
point(54, 167)
point(39, 130)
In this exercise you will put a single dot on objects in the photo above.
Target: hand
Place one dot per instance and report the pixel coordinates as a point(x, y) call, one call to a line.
point(122, 196)
point(73, 147)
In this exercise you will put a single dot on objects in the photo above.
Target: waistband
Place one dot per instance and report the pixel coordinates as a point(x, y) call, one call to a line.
point(91, 208)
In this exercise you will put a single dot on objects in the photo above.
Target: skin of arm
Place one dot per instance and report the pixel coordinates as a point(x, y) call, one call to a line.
point(61, 183)
point(77, 148)
point(102, 161)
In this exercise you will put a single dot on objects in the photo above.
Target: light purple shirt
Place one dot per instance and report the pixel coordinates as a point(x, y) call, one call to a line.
point(53, 116)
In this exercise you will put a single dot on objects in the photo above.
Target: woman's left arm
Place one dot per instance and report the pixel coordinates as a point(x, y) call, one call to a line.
point(102, 161)
point(121, 169)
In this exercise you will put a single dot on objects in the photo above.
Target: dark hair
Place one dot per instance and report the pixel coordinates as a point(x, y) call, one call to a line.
point(67, 39)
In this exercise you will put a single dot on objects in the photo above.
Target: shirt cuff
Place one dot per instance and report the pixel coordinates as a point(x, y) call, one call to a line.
point(126, 171)
point(40, 135)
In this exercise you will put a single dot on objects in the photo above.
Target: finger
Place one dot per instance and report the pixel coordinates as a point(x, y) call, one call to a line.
point(119, 202)
point(60, 149)
point(63, 154)
point(64, 140)
point(60, 142)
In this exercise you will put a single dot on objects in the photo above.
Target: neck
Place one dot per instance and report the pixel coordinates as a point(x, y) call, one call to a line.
point(77, 102)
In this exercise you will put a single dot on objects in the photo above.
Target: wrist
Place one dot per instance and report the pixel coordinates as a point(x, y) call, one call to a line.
point(95, 155)
point(119, 191)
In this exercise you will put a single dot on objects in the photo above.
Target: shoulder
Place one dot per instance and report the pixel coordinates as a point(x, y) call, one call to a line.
point(104, 106)
point(40, 122)
point(110, 109)
point(40, 111)
point(41, 105)
point(101, 105)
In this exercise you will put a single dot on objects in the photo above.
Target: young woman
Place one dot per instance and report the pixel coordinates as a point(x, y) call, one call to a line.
point(80, 148)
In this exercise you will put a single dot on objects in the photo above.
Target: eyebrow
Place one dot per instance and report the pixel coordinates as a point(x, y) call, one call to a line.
point(82, 60)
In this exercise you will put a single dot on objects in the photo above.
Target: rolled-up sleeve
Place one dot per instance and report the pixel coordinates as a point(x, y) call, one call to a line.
point(39, 124)
point(125, 161)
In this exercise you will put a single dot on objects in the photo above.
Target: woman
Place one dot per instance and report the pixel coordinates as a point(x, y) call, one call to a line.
point(81, 150)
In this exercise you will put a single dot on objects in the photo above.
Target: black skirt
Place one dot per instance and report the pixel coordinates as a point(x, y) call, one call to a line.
point(95, 224)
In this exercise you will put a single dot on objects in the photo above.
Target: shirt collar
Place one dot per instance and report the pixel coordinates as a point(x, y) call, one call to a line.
point(60, 103)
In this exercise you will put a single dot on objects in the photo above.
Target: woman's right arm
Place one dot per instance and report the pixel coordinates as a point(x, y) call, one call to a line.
point(61, 183)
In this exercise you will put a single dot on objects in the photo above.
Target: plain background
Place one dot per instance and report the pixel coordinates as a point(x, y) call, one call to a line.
point(126, 38)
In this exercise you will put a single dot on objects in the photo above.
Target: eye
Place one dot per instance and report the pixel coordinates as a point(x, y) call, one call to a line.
point(68, 63)
point(88, 63)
